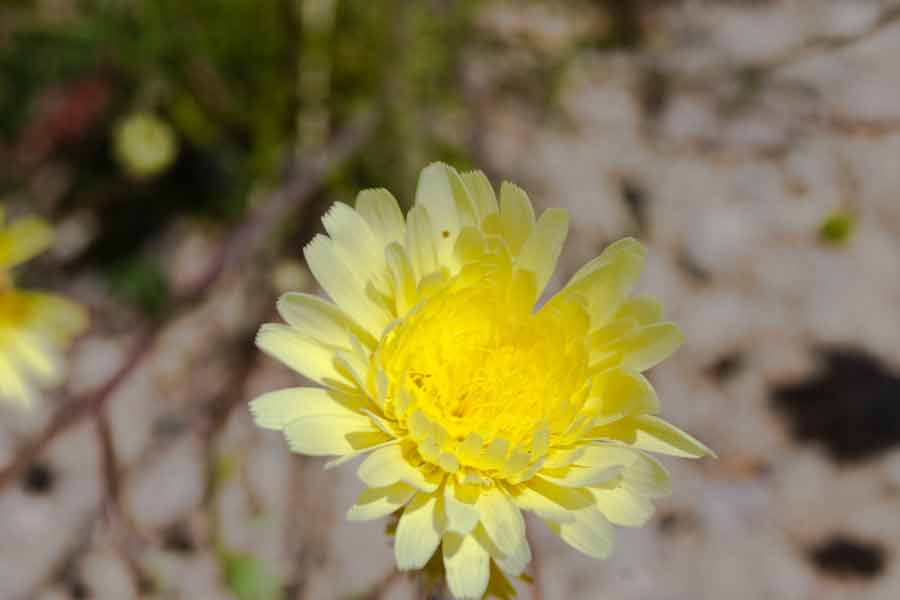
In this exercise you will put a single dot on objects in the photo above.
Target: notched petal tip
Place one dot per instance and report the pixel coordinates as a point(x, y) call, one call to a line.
point(419, 531)
point(626, 244)
point(467, 565)
point(374, 503)
point(657, 435)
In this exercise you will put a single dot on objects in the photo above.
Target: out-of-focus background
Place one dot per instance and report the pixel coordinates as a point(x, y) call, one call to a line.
point(186, 150)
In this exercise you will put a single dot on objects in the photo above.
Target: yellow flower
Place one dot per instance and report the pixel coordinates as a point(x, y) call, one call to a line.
point(471, 403)
point(35, 328)
point(145, 144)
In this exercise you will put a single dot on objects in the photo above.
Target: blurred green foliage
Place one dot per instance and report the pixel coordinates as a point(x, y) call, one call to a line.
point(837, 228)
point(143, 112)
point(249, 578)
point(141, 281)
point(245, 85)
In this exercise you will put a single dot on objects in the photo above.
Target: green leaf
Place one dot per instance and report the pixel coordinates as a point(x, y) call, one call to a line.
point(249, 578)
point(142, 282)
point(837, 228)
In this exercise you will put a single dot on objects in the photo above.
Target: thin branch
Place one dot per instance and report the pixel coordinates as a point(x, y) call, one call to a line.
point(75, 409)
point(109, 459)
point(303, 181)
point(123, 533)
point(381, 588)
point(829, 43)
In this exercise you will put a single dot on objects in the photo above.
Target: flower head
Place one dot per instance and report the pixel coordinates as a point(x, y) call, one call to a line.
point(35, 328)
point(145, 144)
point(470, 402)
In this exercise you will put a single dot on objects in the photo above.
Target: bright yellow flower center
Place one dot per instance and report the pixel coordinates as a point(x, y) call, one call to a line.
point(472, 363)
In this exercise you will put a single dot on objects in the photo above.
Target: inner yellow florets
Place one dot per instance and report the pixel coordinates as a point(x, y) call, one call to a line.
point(479, 369)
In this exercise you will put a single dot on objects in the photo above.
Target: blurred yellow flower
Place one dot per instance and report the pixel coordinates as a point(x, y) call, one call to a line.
point(145, 144)
point(35, 328)
point(471, 403)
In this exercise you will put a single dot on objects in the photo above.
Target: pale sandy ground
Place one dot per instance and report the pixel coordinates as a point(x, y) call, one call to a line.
point(734, 184)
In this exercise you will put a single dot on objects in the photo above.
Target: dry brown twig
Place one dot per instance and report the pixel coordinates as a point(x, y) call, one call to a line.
point(704, 83)
point(830, 43)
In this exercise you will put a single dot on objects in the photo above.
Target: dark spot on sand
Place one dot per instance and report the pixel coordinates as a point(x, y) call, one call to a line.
point(851, 406)
point(842, 556)
point(38, 479)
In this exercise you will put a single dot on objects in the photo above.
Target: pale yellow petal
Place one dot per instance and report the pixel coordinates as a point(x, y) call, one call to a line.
point(644, 309)
point(549, 501)
point(589, 532)
point(448, 201)
point(435, 192)
point(482, 193)
point(319, 319)
point(354, 366)
point(496, 454)
point(364, 443)
point(335, 435)
point(54, 317)
point(403, 278)
point(646, 432)
point(543, 247)
point(608, 280)
point(469, 450)
point(374, 503)
point(604, 456)
point(13, 387)
point(621, 391)
point(420, 242)
point(389, 465)
point(502, 520)
point(540, 444)
point(514, 560)
point(563, 457)
point(302, 354)
point(380, 210)
point(579, 476)
point(276, 410)
point(617, 249)
point(419, 425)
point(656, 435)
point(516, 216)
point(466, 206)
point(349, 230)
point(647, 347)
point(362, 252)
point(517, 461)
point(467, 565)
point(461, 506)
point(623, 507)
point(430, 284)
point(34, 355)
point(344, 285)
point(23, 240)
point(602, 339)
point(419, 531)
point(647, 477)
point(470, 245)
point(641, 475)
